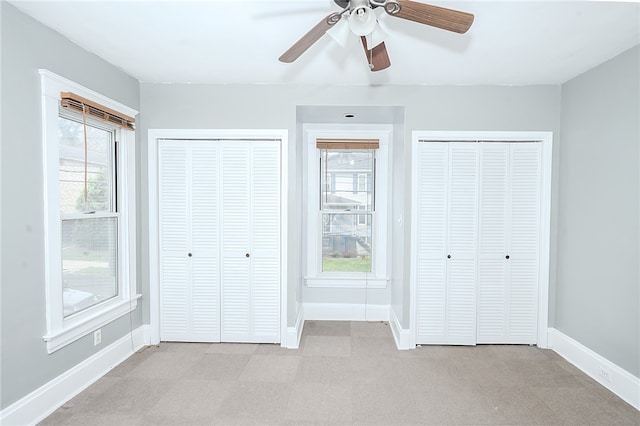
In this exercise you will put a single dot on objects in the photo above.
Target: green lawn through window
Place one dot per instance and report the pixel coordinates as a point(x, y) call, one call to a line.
point(346, 264)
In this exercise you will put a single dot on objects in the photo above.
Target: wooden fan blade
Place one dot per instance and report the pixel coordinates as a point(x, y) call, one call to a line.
point(307, 40)
point(435, 16)
point(377, 57)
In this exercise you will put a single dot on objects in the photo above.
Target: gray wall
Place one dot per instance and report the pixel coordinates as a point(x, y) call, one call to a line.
point(400, 176)
point(598, 282)
point(185, 106)
point(27, 46)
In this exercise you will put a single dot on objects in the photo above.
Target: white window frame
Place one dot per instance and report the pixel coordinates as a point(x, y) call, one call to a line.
point(62, 331)
point(314, 277)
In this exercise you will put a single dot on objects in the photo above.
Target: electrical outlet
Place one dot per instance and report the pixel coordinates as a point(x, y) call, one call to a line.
point(605, 374)
point(97, 337)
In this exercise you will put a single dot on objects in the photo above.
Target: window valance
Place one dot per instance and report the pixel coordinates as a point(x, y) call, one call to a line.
point(93, 109)
point(330, 143)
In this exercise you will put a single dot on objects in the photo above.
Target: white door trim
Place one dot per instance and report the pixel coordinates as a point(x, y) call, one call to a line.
point(211, 134)
point(546, 138)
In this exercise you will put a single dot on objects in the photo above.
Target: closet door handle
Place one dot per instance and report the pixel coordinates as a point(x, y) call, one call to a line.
point(506, 257)
point(247, 255)
point(189, 254)
point(448, 256)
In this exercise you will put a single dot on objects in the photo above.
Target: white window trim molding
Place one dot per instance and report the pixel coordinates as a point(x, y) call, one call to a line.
point(546, 139)
point(62, 331)
point(379, 278)
point(154, 135)
point(343, 281)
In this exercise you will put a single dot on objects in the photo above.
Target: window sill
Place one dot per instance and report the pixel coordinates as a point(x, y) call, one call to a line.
point(89, 321)
point(345, 281)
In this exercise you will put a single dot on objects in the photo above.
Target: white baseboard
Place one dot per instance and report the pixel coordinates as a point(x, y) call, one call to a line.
point(345, 312)
point(36, 406)
point(294, 334)
point(402, 336)
point(605, 372)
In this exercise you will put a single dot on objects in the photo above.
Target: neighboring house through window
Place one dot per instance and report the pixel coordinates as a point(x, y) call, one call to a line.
point(346, 239)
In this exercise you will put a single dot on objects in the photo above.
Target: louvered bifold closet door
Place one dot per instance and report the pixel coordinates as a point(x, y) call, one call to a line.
point(524, 176)
point(265, 241)
point(189, 278)
point(236, 261)
point(432, 187)
point(205, 242)
point(463, 230)
point(174, 241)
point(508, 239)
point(447, 235)
point(251, 242)
point(494, 228)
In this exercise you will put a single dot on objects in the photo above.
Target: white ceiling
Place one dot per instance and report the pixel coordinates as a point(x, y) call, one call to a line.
point(239, 41)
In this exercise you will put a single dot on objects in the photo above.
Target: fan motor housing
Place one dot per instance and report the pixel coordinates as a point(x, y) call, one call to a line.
point(345, 3)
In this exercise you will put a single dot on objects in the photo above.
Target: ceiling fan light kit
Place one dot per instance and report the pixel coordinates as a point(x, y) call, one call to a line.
point(343, 31)
point(358, 17)
point(362, 18)
point(340, 32)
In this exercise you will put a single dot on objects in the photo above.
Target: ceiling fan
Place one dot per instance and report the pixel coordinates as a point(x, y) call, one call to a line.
point(358, 17)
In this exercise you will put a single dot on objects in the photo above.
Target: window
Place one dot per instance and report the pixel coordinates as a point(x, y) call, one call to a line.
point(89, 210)
point(346, 211)
point(89, 218)
point(346, 236)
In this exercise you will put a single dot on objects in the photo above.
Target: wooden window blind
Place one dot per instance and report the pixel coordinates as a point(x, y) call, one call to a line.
point(329, 143)
point(89, 108)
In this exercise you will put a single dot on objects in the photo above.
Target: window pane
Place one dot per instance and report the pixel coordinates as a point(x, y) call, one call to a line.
point(347, 180)
point(72, 166)
point(346, 243)
point(89, 262)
